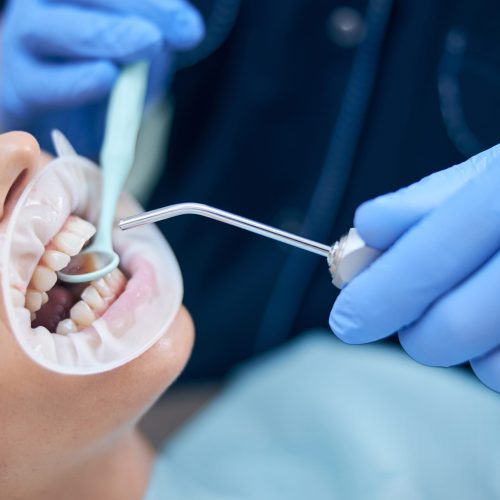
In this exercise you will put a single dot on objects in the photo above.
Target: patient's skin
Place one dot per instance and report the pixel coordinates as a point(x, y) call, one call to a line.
point(74, 437)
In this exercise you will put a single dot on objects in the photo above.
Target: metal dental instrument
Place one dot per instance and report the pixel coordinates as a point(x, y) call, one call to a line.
point(346, 258)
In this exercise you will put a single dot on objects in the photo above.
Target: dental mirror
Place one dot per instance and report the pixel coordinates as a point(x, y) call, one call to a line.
point(117, 157)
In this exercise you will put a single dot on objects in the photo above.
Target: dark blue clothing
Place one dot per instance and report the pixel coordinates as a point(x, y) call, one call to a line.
point(252, 127)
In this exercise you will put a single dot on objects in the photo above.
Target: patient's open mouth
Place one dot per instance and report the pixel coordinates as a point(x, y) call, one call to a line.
point(60, 307)
point(90, 327)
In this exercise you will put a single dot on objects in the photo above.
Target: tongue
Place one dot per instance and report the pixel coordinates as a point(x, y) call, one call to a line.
point(56, 309)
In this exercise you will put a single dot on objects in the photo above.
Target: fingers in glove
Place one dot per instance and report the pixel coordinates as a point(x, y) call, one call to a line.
point(383, 220)
point(462, 325)
point(75, 32)
point(181, 24)
point(487, 369)
point(430, 259)
point(39, 86)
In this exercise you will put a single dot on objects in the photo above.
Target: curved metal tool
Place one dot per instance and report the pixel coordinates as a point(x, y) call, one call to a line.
point(346, 258)
point(227, 218)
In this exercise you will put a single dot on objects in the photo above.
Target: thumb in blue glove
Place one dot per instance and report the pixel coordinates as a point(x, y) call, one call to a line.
point(437, 284)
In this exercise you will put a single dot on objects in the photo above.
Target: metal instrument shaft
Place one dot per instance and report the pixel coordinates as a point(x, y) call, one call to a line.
point(229, 218)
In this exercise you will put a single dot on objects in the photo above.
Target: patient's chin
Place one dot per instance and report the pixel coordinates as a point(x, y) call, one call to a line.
point(157, 368)
point(78, 416)
point(134, 387)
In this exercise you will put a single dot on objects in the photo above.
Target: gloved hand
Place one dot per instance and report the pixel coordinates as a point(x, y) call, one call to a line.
point(438, 283)
point(61, 57)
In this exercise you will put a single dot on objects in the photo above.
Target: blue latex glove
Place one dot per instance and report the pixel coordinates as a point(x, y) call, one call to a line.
point(61, 57)
point(438, 283)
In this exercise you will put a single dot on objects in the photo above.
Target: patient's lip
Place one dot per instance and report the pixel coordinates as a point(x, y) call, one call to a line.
point(19, 160)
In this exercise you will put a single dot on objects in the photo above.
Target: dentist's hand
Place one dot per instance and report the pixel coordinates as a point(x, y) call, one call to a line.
point(64, 55)
point(438, 284)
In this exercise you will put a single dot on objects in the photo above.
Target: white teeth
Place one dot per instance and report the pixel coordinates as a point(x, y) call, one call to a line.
point(66, 326)
point(81, 314)
point(81, 227)
point(91, 296)
point(33, 300)
point(95, 297)
point(43, 279)
point(74, 235)
point(18, 298)
point(111, 280)
point(69, 243)
point(115, 279)
point(102, 287)
point(42, 330)
point(56, 260)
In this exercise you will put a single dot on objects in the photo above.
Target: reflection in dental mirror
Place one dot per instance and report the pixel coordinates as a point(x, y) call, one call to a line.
point(87, 262)
point(90, 327)
point(90, 265)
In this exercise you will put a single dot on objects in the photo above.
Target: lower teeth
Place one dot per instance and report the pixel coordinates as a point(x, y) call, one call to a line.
point(66, 326)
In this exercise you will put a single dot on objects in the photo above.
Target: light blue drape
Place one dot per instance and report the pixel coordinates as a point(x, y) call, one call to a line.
point(323, 420)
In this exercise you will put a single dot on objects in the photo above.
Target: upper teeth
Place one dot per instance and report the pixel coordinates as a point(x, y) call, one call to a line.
point(33, 300)
point(56, 260)
point(81, 227)
point(68, 242)
point(43, 279)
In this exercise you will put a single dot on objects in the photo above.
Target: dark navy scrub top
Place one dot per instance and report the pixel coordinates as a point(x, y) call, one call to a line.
point(253, 125)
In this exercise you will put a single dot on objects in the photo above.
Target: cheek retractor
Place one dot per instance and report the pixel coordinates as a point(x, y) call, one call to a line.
point(346, 258)
point(60, 197)
point(117, 157)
